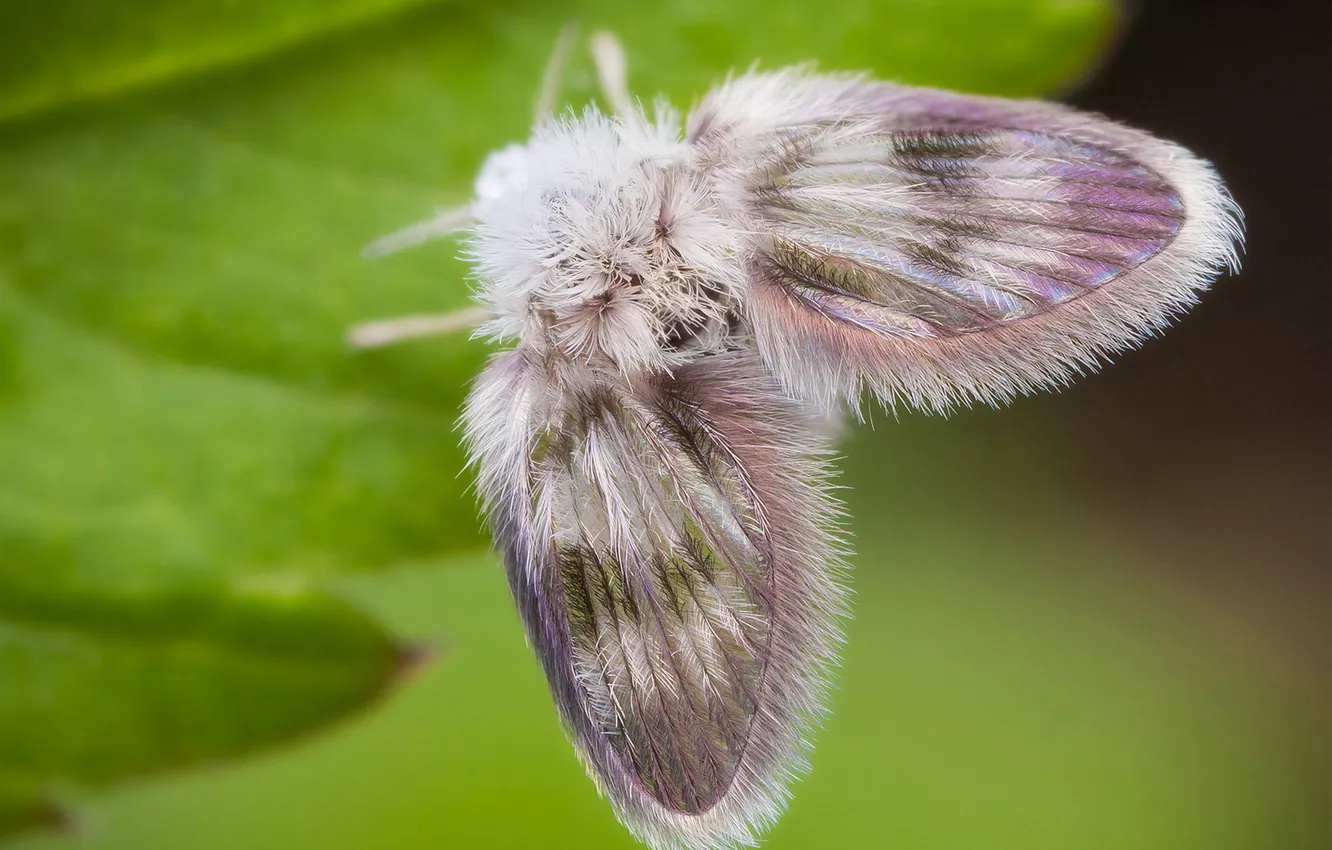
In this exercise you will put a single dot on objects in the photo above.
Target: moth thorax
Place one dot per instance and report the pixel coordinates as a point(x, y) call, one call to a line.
point(604, 243)
point(639, 309)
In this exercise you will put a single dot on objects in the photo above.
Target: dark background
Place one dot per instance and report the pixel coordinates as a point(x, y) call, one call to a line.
point(1220, 439)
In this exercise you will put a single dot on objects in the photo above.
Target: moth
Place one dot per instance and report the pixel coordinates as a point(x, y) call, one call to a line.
point(685, 306)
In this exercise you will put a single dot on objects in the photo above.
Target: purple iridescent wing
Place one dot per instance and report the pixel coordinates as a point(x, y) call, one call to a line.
point(942, 248)
point(670, 545)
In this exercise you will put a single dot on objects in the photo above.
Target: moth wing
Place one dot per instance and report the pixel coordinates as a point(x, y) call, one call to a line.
point(942, 248)
point(671, 547)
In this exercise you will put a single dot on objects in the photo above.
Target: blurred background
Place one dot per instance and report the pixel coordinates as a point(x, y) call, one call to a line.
point(244, 598)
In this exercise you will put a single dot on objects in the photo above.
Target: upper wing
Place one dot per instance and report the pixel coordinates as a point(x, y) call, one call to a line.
point(943, 248)
point(670, 546)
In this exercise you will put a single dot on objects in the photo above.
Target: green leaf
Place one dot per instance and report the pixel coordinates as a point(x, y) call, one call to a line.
point(180, 418)
point(117, 459)
point(103, 678)
point(55, 51)
point(177, 272)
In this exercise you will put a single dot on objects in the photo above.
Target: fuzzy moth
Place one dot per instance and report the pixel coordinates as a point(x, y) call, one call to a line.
point(684, 303)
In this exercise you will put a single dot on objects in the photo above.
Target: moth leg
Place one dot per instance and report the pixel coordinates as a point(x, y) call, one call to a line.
point(553, 76)
point(611, 71)
point(390, 331)
point(442, 224)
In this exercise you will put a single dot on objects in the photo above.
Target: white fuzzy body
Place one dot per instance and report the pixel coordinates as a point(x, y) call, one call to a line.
point(609, 246)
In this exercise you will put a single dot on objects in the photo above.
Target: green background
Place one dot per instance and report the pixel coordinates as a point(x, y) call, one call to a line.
point(244, 596)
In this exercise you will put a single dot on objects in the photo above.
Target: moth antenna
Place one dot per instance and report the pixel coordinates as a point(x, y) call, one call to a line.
point(442, 224)
point(391, 331)
point(612, 71)
point(553, 77)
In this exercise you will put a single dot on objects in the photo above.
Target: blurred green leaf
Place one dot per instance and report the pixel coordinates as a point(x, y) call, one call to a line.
point(55, 51)
point(180, 418)
point(116, 458)
point(103, 679)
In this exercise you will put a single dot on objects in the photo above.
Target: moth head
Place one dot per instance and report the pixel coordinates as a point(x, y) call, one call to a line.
point(599, 240)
